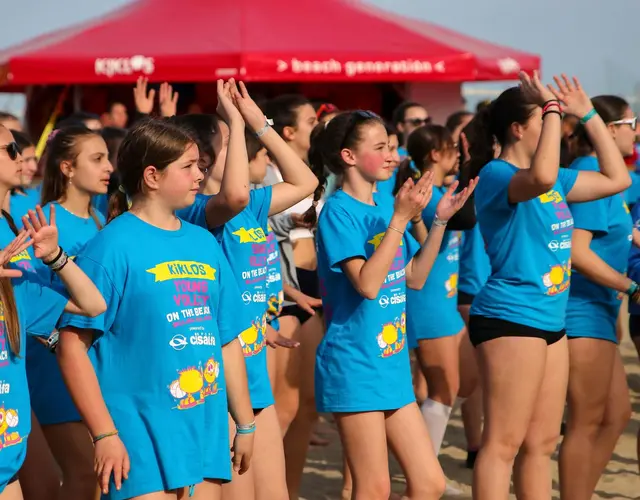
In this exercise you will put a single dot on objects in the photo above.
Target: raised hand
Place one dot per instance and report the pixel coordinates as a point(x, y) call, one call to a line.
point(412, 198)
point(250, 111)
point(534, 90)
point(44, 234)
point(574, 99)
point(143, 99)
point(226, 108)
point(168, 100)
point(450, 203)
point(18, 245)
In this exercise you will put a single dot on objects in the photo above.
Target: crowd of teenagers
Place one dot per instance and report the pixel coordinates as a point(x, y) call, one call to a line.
point(182, 298)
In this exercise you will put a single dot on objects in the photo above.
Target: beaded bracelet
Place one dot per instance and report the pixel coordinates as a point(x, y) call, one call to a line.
point(100, 437)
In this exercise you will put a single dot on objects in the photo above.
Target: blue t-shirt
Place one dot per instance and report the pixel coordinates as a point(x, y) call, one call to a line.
point(433, 311)
point(157, 349)
point(633, 270)
point(244, 242)
point(529, 248)
point(20, 204)
point(474, 263)
point(50, 398)
point(632, 193)
point(594, 307)
point(362, 363)
point(101, 203)
point(25, 260)
point(39, 308)
point(274, 278)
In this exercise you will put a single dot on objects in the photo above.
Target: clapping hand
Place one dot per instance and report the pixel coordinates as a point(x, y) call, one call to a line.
point(574, 99)
point(412, 198)
point(450, 202)
point(18, 245)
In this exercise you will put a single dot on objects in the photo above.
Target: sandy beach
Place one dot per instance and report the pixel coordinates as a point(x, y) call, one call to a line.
point(323, 479)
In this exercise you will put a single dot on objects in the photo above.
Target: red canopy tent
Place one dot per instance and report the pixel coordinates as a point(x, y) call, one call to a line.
point(259, 41)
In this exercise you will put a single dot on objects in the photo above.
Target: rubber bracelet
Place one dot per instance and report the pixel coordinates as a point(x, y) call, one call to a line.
point(546, 107)
point(246, 429)
point(100, 437)
point(437, 221)
point(551, 112)
point(58, 264)
point(633, 288)
point(588, 116)
point(52, 261)
point(267, 125)
point(546, 103)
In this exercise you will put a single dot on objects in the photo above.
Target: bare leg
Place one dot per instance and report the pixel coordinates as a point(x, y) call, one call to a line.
point(532, 472)
point(39, 464)
point(286, 386)
point(512, 370)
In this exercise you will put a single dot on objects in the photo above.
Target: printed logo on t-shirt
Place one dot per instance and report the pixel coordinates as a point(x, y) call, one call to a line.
point(181, 269)
point(392, 337)
point(562, 212)
point(23, 261)
point(558, 278)
point(194, 384)
point(377, 239)
point(8, 422)
point(451, 285)
point(251, 235)
point(253, 339)
point(274, 304)
point(626, 207)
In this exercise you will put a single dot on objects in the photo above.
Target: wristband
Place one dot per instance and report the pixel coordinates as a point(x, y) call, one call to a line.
point(633, 288)
point(588, 116)
point(551, 112)
point(395, 229)
point(55, 258)
point(100, 437)
point(550, 104)
point(267, 125)
point(437, 221)
point(246, 429)
point(59, 262)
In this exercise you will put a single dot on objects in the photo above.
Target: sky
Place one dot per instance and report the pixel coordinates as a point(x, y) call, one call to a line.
point(578, 37)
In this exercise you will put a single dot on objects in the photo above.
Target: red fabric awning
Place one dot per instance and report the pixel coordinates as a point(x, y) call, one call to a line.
point(257, 40)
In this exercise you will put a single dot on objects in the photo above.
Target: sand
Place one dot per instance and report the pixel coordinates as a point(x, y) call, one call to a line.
point(322, 476)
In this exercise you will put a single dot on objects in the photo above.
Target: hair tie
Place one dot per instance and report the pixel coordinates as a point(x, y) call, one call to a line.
point(121, 189)
point(52, 135)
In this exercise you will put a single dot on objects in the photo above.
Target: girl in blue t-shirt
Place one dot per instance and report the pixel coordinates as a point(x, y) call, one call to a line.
point(76, 169)
point(244, 243)
point(365, 263)
point(24, 197)
point(435, 328)
point(29, 308)
point(518, 317)
point(151, 377)
point(598, 394)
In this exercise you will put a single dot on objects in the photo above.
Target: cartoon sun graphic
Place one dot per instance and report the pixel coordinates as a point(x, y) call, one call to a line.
point(211, 371)
point(190, 381)
point(386, 338)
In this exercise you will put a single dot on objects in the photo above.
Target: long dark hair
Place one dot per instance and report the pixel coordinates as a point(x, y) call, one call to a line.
point(327, 142)
point(149, 142)
point(64, 146)
point(493, 123)
point(420, 144)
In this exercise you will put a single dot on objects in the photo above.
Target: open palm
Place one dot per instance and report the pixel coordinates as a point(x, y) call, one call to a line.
point(450, 203)
point(18, 245)
point(44, 234)
point(250, 111)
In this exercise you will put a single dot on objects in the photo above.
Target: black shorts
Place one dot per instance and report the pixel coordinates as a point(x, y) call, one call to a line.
point(483, 329)
point(309, 285)
point(465, 299)
point(634, 325)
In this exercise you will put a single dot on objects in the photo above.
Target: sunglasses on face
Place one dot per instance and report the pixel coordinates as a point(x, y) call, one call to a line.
point(12, 150)
point(418, 122)
point(633, 122)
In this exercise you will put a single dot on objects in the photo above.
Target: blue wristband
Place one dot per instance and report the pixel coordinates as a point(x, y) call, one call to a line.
point(588, 116)
point(246, 429)
point(633, 288)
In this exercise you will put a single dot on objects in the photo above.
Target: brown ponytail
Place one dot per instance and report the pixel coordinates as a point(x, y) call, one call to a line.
point(118, 204)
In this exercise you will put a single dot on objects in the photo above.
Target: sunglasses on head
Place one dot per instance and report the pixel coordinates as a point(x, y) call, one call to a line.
point(633, 122)
point(12, 149)
point(358, 117)
point(418, 122)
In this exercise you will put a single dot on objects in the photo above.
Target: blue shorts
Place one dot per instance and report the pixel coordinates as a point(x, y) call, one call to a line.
point(591, 320)
point(435, 321)
point(50, 399)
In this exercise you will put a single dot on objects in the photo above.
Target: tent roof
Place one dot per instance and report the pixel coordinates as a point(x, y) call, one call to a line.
point(275, 40)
